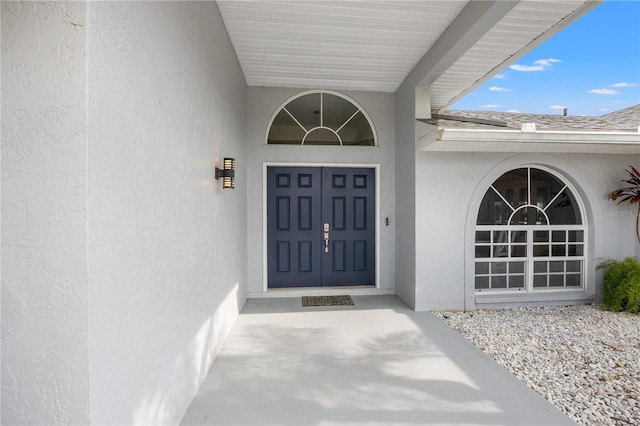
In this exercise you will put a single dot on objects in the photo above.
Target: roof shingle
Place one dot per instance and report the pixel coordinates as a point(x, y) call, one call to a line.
point(627, 119)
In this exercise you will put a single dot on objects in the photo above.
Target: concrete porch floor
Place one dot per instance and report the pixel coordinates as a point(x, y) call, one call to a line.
point(374, 363)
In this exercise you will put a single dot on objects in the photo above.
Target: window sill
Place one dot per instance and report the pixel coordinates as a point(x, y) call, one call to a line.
point(569, 296)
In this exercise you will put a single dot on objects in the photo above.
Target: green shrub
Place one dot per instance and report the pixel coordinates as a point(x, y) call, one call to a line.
point(621, 284)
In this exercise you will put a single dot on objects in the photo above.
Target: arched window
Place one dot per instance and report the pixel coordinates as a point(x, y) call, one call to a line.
point(530, 235)
point(321, 118)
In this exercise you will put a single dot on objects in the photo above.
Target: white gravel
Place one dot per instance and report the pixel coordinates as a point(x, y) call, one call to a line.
point(584, 360)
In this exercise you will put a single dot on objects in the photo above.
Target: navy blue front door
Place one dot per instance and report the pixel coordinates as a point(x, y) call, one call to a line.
point(320, 226)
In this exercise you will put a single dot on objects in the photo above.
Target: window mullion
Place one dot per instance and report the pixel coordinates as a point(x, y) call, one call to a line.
point(503, 199)
point(322, 110)
point(529, 185)
point(554, 198)
point(348, 120)
point(529, 283)
point(294, 119)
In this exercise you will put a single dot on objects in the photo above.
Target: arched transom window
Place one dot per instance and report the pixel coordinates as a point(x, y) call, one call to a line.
point(530, 235)
point(321, 118)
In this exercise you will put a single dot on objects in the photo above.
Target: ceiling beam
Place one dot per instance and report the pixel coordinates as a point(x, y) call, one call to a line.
point(473, 21)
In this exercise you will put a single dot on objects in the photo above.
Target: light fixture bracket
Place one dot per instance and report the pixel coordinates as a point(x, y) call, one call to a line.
point(227, 173)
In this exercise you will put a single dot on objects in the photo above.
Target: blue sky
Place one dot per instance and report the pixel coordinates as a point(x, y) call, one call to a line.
point(592, 67)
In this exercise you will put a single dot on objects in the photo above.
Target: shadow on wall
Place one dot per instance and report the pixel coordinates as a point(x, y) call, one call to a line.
point(160, 405)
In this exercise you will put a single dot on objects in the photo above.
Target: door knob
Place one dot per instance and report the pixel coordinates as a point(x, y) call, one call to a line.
point(326, 238)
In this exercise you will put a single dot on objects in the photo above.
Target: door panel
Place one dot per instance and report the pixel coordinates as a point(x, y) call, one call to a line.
point(301, 201)
point(349, 204)
point(293, 227)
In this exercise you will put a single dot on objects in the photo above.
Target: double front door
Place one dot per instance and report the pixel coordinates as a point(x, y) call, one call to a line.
point(320, 226)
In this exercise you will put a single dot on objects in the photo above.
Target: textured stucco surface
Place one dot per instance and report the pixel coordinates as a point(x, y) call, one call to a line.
point(406, 194)
point(124, 263)
point(167, 246)
point(262, 104)
point(444, 240)
point(45, 363)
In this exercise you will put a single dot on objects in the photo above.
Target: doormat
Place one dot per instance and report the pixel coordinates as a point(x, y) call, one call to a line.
point(327, 300)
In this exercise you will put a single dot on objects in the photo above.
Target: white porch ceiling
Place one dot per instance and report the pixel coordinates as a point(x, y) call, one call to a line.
point(374, 45)
point(353, 45)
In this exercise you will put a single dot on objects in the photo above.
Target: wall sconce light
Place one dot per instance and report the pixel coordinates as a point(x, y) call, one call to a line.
point(227, 173)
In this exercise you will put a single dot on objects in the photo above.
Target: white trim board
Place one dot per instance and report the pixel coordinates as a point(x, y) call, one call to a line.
point(431, 138)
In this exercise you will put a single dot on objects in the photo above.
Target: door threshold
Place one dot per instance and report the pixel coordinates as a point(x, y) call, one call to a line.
point(360, 290)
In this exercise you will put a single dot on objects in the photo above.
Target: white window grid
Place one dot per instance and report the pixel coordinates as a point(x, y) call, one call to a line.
point(320, 125)
point(516, 258)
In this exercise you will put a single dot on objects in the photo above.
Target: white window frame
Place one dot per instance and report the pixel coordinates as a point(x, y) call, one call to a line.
point(529, 273)
point(321, 125)
point(529, 259)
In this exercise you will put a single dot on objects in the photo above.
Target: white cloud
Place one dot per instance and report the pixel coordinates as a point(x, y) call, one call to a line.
point(490, 106)
point(557, 107)
point(624, 84)
point(514, 110)
point(539, 65)
point(500, 76)
point(498, 89)
point(604, 110)
point(546, 62)
point(603, 92)
point(526, 68)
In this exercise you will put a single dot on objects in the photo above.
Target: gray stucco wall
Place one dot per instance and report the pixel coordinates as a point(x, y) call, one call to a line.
point(405, 274)
point(45, 335)
point(123, 260)
point(263, 103)
point(167, 246)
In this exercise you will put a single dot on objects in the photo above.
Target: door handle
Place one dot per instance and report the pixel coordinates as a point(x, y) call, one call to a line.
point(326, 238)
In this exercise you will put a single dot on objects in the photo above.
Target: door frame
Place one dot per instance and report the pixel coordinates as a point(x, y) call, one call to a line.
point(265, 259)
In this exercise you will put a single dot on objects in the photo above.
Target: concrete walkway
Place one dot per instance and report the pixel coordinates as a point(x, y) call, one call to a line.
point(375, 363)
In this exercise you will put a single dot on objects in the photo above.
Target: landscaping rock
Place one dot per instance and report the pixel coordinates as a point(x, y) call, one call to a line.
point(584, 360)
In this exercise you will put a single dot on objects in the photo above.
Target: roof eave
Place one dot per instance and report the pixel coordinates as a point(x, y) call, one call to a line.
point(481, 140)
point(555, 29)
